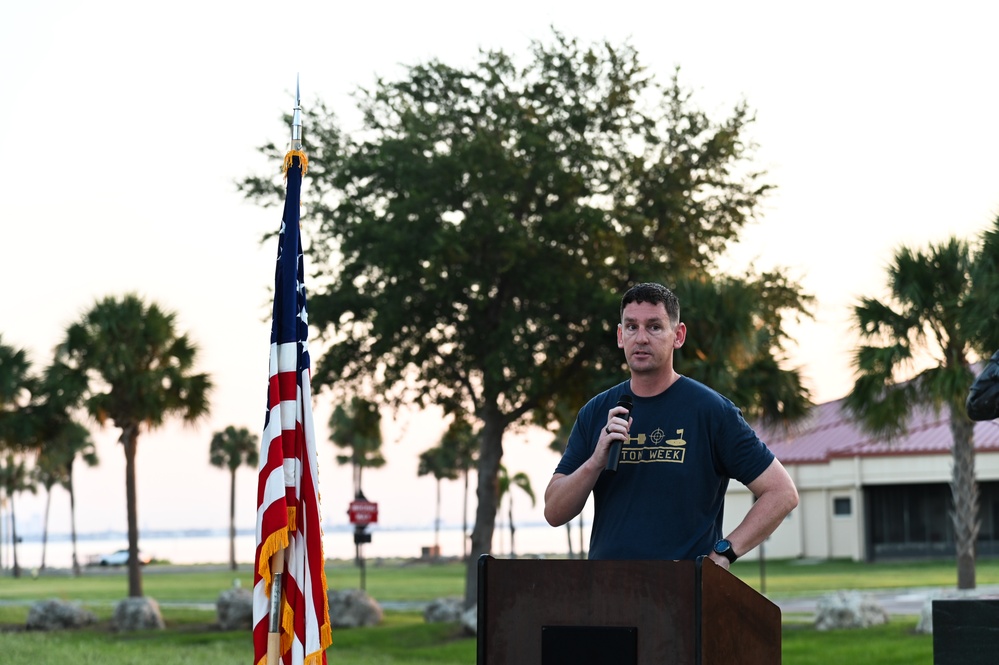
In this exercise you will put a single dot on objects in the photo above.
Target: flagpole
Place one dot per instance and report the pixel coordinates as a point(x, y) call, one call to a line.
point(274, 619)
point(276, 601)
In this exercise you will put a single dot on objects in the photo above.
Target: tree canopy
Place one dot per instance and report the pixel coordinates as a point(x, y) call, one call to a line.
point(472, 240)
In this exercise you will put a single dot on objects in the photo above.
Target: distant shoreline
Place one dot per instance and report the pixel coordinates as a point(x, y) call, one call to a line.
point(35, 536)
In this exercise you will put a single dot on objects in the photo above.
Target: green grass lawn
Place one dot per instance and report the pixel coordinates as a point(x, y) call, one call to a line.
point(187, 596)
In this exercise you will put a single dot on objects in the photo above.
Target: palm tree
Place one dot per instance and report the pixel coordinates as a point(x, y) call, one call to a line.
point(14, 372)
point(565, 418)
point(505, 484)
point(462, 442)
point(984, 297)
point(440, 462)
point(70, 442)
point(47, 475)
point(735, 333)
point(137, 371)
point(924, 322)
point(14, 478)
point(17, 387)
point(359, 430)
point(59, 438)
point(232, 448)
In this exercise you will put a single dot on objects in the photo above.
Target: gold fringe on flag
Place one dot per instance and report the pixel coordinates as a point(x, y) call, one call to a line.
point(275, 542)
point(289, 160)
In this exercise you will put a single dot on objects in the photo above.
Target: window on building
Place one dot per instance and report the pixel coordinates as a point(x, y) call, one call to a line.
point(842, 506)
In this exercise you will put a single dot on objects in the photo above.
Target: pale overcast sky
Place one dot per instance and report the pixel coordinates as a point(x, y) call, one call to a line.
point(124, 125)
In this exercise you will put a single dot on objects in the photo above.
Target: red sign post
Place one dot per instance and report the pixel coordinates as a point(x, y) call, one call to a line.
point(363, 513)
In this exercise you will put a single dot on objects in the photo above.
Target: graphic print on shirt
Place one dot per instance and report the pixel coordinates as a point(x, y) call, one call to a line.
point(642, 449)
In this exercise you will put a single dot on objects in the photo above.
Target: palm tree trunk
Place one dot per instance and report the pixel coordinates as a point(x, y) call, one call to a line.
point(513, 552)
point(437, 522)
point(13, 537)
point(45, 525)
point(72, 522)
point(464, 522)
point(129, 439)
point(568, 537)
point(964, 489)
point(232, 520)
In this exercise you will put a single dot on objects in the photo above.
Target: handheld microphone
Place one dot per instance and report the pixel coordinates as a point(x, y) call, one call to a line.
point(615, 449)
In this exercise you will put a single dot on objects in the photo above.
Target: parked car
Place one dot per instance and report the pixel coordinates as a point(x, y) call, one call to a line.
point(120, 558)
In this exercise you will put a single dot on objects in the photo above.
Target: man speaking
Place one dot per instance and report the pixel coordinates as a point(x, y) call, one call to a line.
point(680, 444)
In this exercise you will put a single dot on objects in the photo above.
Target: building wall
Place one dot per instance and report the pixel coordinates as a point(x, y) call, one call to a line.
point(784, 543)
point(813, 530)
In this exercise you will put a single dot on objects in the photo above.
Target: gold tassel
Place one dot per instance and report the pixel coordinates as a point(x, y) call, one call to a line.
point(287, 627)
point(289, 160)
point(275, 542)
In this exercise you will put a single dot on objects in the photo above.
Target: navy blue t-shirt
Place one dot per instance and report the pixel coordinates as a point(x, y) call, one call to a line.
point(666, 500)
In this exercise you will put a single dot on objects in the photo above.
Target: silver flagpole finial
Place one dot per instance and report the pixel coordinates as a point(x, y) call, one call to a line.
point(296, 120)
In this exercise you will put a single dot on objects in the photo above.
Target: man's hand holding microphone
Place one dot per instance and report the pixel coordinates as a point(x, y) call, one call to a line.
point(617, 427)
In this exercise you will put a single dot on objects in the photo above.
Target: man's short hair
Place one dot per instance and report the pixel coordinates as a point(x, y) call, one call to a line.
point(653, 293)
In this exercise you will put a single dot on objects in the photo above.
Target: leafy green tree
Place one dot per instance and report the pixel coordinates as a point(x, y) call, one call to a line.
point(230, 449)
point(358, 429)
point(14, 479)
point(137, 371)
point(925, 320)
point(439, 462)
point(475, 236)
point(505, 488)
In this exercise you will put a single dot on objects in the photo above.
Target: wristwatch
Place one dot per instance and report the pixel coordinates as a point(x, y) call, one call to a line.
point(724, 548)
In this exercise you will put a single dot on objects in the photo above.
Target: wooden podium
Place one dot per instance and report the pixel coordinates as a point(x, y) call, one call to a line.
point(557, 612)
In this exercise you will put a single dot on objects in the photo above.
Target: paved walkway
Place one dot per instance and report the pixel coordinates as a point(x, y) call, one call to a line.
point(894, 601)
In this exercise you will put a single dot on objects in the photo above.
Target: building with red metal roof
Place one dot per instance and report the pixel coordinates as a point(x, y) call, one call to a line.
point(867, 499)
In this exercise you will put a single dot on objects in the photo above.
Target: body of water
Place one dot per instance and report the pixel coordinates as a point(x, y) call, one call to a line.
point(213, 547)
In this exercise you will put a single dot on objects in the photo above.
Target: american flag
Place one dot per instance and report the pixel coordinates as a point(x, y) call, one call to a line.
point(288, 517)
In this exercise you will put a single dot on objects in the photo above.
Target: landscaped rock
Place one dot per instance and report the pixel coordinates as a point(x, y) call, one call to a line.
point(925, 625)
point(470, 620)
point(444, 610)
point(58, 615)
point(353, 608)
point(848, 609)
point(234, 609)
point(137, 614)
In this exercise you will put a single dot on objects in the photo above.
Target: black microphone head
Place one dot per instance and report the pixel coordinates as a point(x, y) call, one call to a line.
point(625, 401)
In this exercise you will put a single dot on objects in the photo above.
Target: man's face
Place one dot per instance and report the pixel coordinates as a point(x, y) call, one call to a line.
point(648, 338)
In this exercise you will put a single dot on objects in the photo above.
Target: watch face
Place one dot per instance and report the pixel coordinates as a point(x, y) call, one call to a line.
point(724, 548)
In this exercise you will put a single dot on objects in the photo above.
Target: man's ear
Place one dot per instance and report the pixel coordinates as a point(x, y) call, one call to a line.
point(681, 335)
point(620, 337)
